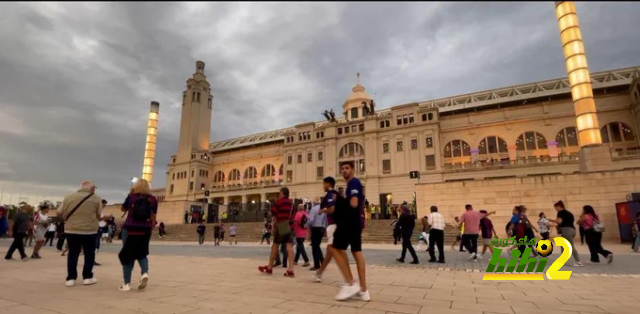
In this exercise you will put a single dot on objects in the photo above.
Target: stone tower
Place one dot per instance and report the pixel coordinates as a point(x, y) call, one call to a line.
point(189, 170)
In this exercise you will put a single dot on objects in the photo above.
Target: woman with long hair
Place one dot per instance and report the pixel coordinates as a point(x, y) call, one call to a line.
point(407, 223)
point(588, 221)
point(424, 233)
point(140, 208)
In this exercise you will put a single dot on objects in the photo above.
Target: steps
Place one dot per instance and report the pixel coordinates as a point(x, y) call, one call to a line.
point(376, 231)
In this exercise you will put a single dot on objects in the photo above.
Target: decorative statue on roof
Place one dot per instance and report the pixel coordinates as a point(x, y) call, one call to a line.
point(332, 115)
point(326, 115)
point(370, 107)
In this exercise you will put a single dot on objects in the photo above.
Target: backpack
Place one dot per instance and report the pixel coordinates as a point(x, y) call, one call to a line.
point(598, 226)
point(141, 209)
point(521, 229)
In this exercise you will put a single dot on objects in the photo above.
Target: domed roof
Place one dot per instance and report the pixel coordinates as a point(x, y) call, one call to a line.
point(358, 94)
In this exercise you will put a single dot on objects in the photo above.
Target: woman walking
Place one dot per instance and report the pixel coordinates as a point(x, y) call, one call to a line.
point(40, 224)
point(407, 223)
point(141, 208)
point(565, 221)
point(590, 222)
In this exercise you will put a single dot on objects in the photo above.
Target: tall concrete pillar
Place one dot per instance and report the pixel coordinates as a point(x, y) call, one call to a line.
point(150, 147)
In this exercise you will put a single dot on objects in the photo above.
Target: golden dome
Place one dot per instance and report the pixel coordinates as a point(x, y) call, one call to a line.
point(357, 96)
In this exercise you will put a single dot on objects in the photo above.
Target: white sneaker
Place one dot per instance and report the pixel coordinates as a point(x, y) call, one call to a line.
point(577, 264)
point(70, 283)
point(347, 292)
point(143, 281)
point(479, 256)
point(316, 276)
point(362, 296)
point(472, 256)
point(125, 287)
point(90, 281)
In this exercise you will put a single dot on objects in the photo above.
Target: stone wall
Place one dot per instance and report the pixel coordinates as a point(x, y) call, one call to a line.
point(602, 190)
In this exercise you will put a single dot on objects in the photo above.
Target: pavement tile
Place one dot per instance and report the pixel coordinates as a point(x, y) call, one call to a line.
point(392, 307)
point(425, 302)
point(24, 309)
point(304, 306)
point(428, 310)
point(496, 308)
point(5, 303)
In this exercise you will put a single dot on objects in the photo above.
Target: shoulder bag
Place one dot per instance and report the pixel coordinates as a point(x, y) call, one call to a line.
point(77, 206)
point(284, 227)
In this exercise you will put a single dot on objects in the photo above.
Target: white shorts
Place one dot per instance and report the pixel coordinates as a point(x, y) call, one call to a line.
point(40, 235)
point(330, 230)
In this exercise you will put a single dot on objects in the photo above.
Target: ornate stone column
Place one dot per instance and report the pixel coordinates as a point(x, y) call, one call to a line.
point(513, 153)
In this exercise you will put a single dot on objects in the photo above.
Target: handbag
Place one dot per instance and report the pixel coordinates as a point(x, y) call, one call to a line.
point(284, 228)
point(598, 226)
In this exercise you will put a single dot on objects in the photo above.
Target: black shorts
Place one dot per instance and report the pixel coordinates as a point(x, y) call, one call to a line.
point(345, 237)
point(286, 239)
point(216, 236)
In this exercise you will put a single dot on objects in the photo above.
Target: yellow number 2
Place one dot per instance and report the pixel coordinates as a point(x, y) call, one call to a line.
point(554, 273)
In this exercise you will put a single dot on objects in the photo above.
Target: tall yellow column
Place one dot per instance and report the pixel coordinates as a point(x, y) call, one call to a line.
point(150, 147)
point(579, 78)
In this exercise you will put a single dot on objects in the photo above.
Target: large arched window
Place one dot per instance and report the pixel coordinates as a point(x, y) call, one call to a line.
point(616, 132)
point(567, 137)
point(457, 148)
point(354, 113)
point(268, 171)
point(351, 150)
point(234, 175)
point(251, 173)
point(218, 177)
point(492, 145)
point(530, 141)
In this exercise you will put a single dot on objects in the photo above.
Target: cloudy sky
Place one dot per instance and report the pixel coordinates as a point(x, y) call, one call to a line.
point(76, 79)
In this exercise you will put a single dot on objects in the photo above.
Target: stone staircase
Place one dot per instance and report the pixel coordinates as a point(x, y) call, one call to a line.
point(376, 231)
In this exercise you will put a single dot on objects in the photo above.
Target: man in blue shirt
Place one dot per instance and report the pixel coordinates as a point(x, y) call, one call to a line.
point(349, 217)
point(316, 223)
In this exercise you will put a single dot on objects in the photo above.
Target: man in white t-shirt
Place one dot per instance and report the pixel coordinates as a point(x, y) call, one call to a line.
point(40, 226)
point(50, 234)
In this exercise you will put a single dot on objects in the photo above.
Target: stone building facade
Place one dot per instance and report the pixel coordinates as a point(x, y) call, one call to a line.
point(512, 133)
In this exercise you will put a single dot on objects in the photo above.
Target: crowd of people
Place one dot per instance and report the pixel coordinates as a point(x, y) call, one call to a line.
point(340, 218)
point(81, 223)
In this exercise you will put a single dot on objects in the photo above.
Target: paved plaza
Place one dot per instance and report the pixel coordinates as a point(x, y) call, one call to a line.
point(186, 278)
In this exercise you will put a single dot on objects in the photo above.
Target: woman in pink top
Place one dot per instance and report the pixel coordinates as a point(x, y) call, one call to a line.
point(300, 230)
point(594, 237)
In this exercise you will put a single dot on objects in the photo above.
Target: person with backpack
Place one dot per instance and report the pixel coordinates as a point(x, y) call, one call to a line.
point(300, 227)
point(593, 229)
point(141, 208)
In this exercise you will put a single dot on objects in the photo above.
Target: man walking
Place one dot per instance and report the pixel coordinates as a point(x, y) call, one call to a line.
point(328, 208)
point(471, 221)
point(436, 235)
point(349, 224)
point(81, 210)
point(316, 223)
point(283, 232)
point(18, 228)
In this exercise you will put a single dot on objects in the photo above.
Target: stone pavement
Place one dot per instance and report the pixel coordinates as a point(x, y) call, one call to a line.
point(196, 284)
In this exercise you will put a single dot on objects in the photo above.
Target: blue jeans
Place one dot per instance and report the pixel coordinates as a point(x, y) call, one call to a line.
point(636, 245)
point(128, 269)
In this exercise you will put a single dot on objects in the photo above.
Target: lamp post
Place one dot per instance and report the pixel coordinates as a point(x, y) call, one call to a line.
point(578, 72)
point(133, 181)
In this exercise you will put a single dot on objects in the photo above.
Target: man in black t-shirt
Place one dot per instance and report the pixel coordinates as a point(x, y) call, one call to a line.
point(216, 234)
point(566, 229)
point(201, 229)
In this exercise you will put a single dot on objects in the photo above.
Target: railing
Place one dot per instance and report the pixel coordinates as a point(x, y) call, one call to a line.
point(522, 161)
point(253, 185)
point(625, 153)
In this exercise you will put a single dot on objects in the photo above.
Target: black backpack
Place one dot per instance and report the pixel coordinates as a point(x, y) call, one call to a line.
point(141, 209)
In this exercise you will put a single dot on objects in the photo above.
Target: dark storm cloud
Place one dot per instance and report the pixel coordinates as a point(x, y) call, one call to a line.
point(76, 79)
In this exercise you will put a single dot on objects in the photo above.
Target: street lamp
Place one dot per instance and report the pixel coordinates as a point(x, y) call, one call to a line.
point(133, 181)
